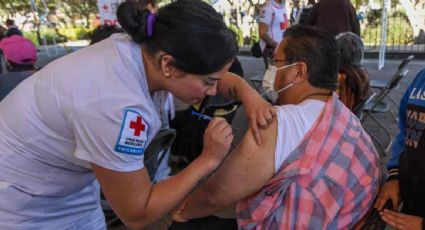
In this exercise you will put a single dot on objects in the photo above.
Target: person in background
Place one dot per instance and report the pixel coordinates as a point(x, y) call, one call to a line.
point(336, 16)
point(12, 29)
point(295, 11)
point(273, 22)
point(353, 80)
point(406, 172)
point(20, 53)
point(317, 168)
point(17, 56)
point(85, 120)
point(305, 12)
point(102, 32)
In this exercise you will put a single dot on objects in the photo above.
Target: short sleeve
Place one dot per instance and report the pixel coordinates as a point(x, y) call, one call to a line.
point(266, 15)
point(112, 138)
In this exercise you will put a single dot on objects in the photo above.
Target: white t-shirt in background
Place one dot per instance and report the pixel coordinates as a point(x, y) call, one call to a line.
point(275, 16)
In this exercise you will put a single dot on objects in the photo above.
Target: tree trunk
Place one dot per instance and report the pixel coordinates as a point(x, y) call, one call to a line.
point(416, 15)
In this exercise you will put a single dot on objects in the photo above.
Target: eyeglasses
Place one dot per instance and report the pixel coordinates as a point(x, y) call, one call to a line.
point(274, 61)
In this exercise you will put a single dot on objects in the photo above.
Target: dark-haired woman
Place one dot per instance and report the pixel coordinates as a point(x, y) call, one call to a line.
point(87, 118)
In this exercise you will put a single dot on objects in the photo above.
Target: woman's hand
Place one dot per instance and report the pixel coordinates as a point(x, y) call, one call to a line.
point(217, 140)
point(401, 221)
point(260, 114)
point(390, 190)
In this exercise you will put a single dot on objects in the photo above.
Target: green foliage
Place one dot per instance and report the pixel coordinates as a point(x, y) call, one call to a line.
point(74, 33)
point(62, 35)
point(373, 17)
point(255, 36)
point(31, 36)
point(239, 34)
point(49, 35)
point(399, 29)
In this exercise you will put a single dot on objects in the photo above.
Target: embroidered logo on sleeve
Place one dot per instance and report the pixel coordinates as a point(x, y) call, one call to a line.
point(133, 135)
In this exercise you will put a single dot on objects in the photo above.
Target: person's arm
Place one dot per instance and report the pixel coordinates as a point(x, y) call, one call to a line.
point(391, 188)
point(258, 110)
point(399, 143)
point(138, 203)
point(243, 173)
point(262, 30)
point(265, 20)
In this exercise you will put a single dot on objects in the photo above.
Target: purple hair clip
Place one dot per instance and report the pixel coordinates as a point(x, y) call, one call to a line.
point(151, 21)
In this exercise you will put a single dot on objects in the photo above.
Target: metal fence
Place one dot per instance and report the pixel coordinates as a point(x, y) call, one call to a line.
point(399, 33)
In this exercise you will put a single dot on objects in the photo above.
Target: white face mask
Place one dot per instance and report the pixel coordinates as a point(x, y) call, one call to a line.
point(269, 79)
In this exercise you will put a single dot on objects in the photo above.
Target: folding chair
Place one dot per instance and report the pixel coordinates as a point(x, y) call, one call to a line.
point(381, 84)
point(377, 104)
point(358, 111)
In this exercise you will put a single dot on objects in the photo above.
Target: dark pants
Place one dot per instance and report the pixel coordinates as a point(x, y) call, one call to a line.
point(268, 55)
point(412, 182)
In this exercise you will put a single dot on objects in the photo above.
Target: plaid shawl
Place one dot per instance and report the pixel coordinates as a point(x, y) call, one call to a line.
point(328, 182)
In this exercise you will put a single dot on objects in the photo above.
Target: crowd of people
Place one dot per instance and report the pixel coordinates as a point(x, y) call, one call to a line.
point(83, 124)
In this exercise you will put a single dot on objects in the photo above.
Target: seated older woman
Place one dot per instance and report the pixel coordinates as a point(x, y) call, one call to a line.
point(353, 87)
point(316, 169)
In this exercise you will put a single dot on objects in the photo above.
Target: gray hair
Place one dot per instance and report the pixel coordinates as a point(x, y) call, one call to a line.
point(351, 48)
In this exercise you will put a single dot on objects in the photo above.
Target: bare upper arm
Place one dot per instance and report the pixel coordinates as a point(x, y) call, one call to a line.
point(262, 28)
point(248, 168)
point(126, 192)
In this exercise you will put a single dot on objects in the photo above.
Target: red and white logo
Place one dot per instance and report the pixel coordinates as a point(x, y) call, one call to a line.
point(133, 135)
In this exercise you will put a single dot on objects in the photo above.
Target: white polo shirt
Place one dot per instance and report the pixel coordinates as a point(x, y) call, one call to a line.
point(275, 16)
point(91, 106)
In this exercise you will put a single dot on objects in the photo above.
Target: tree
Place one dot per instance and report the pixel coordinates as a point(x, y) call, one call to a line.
point(79, 9)
point(415, 10)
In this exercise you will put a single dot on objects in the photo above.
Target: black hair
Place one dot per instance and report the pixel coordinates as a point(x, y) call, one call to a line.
point(317, 48)
point(189, 30)
point(145, 3)
point(142, 4)
point(102, 32)
point(10, 22)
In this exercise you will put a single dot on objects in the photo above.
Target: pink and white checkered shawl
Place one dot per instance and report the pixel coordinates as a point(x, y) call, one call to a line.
point(328, 182)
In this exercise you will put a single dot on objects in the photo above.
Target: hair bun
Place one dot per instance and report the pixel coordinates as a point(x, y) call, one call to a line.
point(133, 20)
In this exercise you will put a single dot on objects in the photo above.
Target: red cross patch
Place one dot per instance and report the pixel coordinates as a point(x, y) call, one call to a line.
point(133, 135)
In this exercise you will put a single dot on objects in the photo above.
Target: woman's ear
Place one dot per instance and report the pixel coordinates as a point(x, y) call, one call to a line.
point(166, 65)
point(168, 68)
